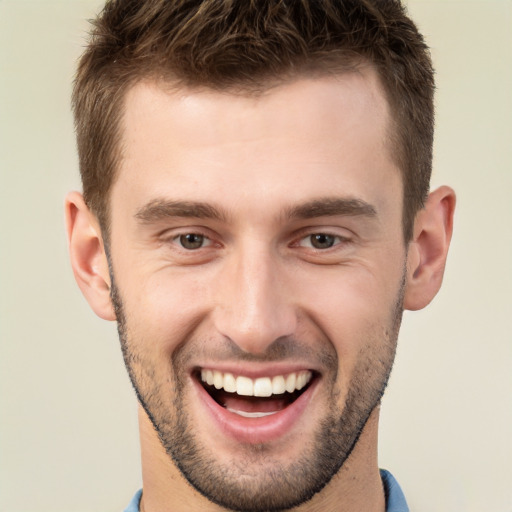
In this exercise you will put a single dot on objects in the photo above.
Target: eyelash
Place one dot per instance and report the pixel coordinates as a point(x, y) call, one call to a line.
point(179, 239)
point(321, 237)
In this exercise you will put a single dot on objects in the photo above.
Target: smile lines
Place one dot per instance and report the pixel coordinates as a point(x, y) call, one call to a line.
point(261, 387)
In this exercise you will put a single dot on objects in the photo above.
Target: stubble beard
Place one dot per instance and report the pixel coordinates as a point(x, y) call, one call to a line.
point(255, 481)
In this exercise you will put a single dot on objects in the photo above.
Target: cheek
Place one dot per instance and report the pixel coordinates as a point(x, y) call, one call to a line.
point(353, 307)
point(161, 310)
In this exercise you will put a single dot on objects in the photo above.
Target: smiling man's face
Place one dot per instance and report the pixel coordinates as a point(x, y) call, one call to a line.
point(259, 267)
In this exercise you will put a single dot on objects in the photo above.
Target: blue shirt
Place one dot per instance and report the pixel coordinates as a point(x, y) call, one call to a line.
point(395, 499)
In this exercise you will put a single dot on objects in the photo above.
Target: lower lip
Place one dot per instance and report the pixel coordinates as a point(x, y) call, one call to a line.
point(256, 430)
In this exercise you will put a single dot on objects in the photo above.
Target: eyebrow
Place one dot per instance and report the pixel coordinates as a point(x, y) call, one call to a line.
point(331, 206)
point(161, 209)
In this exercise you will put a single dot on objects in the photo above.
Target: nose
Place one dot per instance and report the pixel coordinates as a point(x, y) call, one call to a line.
point(254, 305)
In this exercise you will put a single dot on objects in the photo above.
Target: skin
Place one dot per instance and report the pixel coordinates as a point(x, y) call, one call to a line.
point(258, 294)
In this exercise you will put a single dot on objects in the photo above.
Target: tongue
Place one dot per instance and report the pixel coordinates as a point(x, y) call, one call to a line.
point(251, 403)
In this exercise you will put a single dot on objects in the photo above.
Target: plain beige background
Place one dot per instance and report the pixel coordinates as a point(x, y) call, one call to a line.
point(68, 433)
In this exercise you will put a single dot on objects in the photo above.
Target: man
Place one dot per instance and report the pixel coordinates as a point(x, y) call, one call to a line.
point(256, 216)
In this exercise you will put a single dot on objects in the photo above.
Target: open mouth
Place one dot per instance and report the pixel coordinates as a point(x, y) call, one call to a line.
point(254, 398)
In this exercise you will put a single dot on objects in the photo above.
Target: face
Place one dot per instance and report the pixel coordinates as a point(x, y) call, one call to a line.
point(258, 272)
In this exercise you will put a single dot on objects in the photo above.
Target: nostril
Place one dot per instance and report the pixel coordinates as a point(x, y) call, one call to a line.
point(256, 313)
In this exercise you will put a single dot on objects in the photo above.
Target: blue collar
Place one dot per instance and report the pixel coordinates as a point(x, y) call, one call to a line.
point(395, 499)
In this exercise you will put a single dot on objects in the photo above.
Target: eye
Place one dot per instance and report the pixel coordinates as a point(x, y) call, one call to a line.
point(192, 241)
point(320, 241)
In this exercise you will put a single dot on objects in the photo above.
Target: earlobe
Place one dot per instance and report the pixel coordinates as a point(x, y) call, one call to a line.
point(429, 248)
point(87, 255)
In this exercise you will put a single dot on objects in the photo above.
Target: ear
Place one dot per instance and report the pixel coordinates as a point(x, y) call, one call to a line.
point(428, 249)
point(88, 257)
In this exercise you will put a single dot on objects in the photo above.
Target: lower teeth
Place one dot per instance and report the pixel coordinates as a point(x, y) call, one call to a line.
point(251, 414)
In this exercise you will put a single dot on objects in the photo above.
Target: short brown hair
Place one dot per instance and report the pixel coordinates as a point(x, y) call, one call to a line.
point(245, 45)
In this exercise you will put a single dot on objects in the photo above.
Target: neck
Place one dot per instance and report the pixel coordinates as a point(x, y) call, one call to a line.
point(357, 487)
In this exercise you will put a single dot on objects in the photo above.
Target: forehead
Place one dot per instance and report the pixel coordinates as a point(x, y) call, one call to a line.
point(295, 139)
point(357, 96)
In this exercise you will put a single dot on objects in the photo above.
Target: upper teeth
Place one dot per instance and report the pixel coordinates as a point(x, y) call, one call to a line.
point(262, 386)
